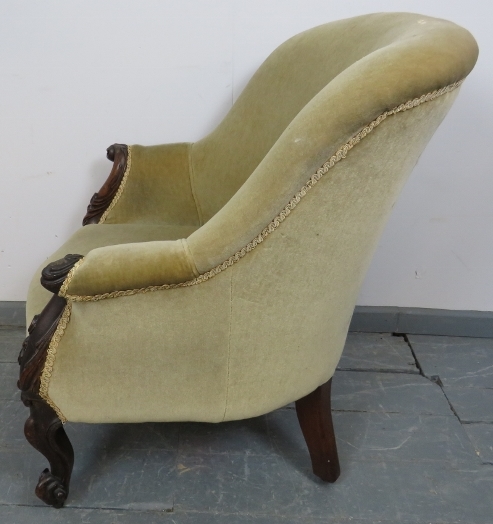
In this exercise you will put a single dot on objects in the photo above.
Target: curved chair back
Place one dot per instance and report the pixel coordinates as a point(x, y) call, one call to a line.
point(350, 70)
point(313, 156)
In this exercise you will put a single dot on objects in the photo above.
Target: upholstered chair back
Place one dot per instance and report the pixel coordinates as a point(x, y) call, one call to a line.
point(318, 89)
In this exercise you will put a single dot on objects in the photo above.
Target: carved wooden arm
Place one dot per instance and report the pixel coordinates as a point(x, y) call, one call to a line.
point(118, 154)
point(43, 429)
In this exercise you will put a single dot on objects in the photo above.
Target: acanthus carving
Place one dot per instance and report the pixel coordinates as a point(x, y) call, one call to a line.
point(33, 353)
point(118, 154)
point(43, 428)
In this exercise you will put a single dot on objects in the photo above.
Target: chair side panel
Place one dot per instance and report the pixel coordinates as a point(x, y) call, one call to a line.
point(150, 357)
point(293, 296)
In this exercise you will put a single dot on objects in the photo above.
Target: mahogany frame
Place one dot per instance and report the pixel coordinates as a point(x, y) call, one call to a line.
point(100, 201)
point(44, 429)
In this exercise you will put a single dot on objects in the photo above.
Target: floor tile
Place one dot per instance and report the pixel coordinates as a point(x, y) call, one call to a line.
point(13, 415)
point(10, 343)
point(387, 393)
point(199, 517)
point(19, 474)
point(123, 479)
point(377, 352)
point(9, 374)
point(149, 435)
point(42, 515)
point(392, 491)
point(405, 457)
point(395, 437)
point(196, 517)
point(471, 404)
point(481, 436)
point(381, 437)
point(249, 484)
point(28, 515)
point(466, 494)
point(116, 479)
point(241, 436)
point(458, 361)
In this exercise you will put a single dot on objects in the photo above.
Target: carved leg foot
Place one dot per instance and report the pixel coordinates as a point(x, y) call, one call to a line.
point(315, 418)
point(44, 431)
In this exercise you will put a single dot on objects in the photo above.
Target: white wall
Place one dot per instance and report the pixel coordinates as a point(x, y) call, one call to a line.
point(76, 76)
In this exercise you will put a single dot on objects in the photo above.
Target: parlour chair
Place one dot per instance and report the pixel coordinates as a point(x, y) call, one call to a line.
point(216, 280)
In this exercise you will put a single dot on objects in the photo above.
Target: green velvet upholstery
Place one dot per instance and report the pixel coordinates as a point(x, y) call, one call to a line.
point(161, 179)
point(193, 301)
point(91, 237)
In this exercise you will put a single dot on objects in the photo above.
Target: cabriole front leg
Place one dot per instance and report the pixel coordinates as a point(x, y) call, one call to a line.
point(44, 431)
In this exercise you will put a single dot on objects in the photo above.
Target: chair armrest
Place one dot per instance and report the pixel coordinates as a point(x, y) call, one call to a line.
point(126, 267)
point(146, 185)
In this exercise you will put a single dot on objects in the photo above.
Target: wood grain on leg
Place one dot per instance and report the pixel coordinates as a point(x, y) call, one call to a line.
point(315, 418)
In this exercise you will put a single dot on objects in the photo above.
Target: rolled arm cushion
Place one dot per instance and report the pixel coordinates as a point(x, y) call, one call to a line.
point(130, 266)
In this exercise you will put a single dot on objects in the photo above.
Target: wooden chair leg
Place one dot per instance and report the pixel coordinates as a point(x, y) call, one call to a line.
point(44, 431)
point(315, 418)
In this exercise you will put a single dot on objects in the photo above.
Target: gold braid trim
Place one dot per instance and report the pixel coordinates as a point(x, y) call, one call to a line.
point(121, 188)
point(50, 360)
point(68, 278)
point(337, 157)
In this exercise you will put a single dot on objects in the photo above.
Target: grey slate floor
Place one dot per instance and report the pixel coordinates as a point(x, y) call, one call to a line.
point(414, 423)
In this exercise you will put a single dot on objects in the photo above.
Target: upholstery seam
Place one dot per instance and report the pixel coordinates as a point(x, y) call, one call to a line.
point(190, 259)
point(121, 187)
point(339, 155)
point(229, 344)
point(50, 360)
point(191, 179)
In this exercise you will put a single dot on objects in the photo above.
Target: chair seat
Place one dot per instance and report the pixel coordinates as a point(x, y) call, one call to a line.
point(94, 236)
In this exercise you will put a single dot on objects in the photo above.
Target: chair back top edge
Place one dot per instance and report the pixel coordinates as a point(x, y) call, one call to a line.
point(387, 58)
